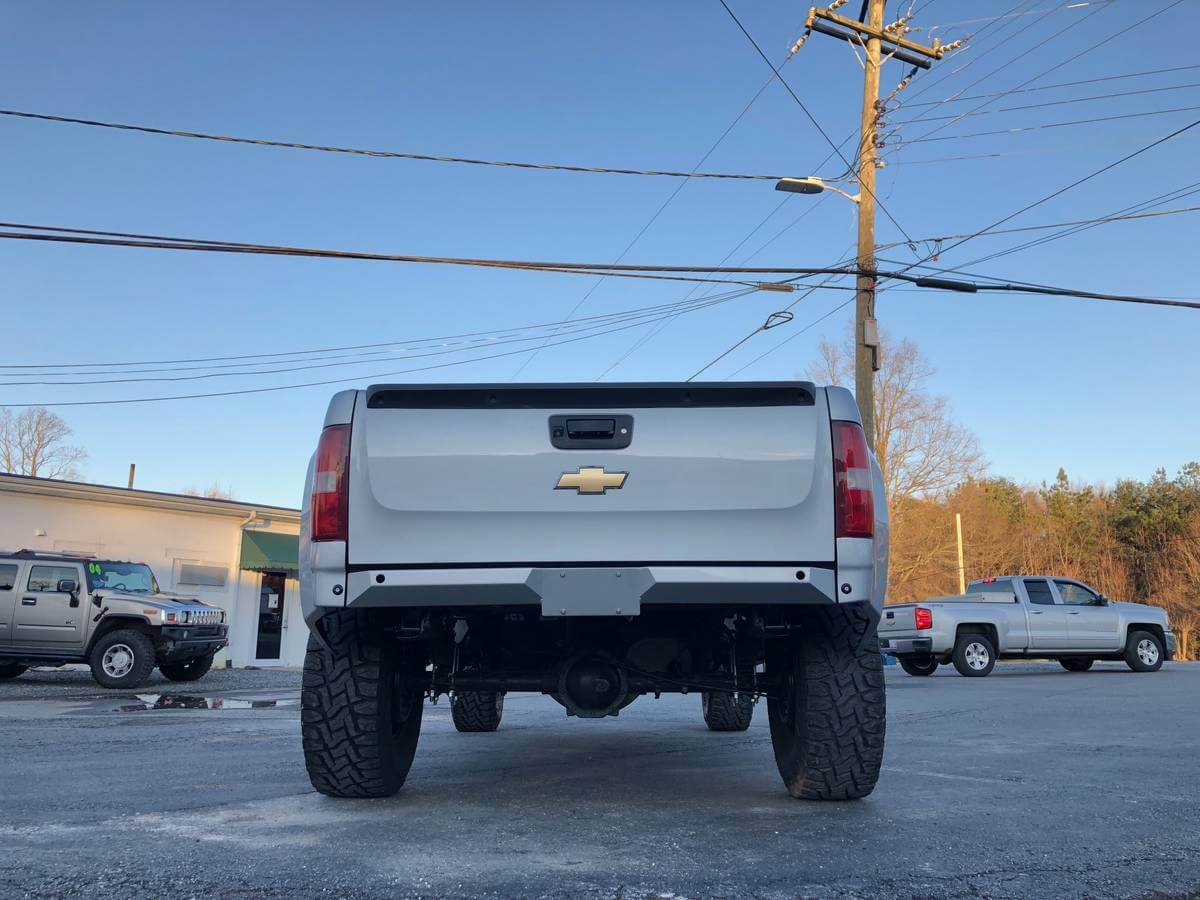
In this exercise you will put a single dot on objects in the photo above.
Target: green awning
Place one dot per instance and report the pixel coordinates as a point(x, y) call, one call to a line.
point(263, 551)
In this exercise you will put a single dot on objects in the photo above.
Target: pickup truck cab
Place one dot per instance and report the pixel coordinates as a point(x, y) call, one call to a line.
point(1022, 617)
point(60, 608)
point(594, 543)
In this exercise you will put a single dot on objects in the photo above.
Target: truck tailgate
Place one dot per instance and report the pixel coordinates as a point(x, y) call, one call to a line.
point(457, 474)
point(898, 621)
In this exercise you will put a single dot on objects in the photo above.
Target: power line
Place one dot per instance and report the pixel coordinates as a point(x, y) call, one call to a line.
point(126, 239)
point(800, 103)
point(658, 212)
point(289, 387)
point(380, 347)
point(1101, 220)
point(1048, 103)
point(1021, 129)
point(381, 154)
point(1050, 87)
point(1063, 190)
point(306, 365)
point(1056, 66)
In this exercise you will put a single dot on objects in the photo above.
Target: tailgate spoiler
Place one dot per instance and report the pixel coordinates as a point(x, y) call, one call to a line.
point(647, 395)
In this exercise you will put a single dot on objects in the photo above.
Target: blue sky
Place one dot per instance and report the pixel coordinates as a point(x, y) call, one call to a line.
point(1104, 390)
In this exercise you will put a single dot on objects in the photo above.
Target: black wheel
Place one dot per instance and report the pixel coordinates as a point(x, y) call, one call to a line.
point(918, 665)
point(1075, 663)
point(974, 656)
point(827, 706)
point(188, 670)
point(476, 710)
point(1143, 651)
point(10, 670)
point(361, 705)
point(122, 659)
point(727, 712)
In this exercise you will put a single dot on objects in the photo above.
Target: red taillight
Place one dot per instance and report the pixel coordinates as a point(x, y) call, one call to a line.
point(923, 617)
point(853, 498)
point(331, 483)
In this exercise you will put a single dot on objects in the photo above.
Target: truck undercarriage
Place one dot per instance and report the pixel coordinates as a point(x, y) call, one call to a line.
point(370, 671)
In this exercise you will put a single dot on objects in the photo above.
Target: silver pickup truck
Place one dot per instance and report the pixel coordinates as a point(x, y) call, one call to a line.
point(594, 543)
point(1022, 617)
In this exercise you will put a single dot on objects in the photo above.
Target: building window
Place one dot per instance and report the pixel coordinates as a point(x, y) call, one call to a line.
point(198, 575)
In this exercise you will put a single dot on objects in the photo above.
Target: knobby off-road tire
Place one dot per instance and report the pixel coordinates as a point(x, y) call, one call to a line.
point(361, 705)
point(1075, 663)
point(827, 707)
point(918, 666)
point(727, 712)
point(122, 659)
point(477, 710)
point(188, 670)
point(1143, 652)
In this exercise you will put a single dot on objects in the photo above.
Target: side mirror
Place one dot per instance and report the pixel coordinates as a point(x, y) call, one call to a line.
point(1104, 601)
point(68, 586)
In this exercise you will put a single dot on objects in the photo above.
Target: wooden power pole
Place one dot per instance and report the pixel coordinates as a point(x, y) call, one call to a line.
point(874, 36)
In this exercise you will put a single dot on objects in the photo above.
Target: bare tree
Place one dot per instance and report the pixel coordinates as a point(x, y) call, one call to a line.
point(213, 492)
point(922, 450)
point(33, 442)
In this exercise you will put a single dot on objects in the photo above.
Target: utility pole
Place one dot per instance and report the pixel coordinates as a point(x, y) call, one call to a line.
point(870, 33)
point(962, 572)
point(132, 469)
point(866, 327)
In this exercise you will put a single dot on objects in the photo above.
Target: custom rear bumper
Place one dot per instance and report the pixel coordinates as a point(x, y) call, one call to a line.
point(583, 590)
point(906, 646)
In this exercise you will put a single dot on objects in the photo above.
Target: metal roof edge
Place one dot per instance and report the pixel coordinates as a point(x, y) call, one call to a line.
point(101, 493)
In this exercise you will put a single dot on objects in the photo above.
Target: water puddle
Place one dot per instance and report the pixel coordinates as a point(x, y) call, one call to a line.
point(191, 701)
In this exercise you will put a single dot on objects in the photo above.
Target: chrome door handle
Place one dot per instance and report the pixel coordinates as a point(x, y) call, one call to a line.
point(1035, 612)
point(1073, 613)
point(29, 601)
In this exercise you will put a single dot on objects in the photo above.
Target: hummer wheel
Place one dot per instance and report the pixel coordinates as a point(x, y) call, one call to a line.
point(361, 705)
point(122, 659)
point(826, 705)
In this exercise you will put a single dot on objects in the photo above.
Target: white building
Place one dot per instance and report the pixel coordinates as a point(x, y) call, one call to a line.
point(239, 556)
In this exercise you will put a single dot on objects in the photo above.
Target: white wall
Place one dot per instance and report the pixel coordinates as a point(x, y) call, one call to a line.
point(159, 538)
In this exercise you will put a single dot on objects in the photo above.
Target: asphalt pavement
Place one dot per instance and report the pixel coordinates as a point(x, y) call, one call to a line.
point(1033, 782)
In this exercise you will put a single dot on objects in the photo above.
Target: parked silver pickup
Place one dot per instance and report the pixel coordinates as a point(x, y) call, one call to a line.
point(594, 543)
point(1015, 617)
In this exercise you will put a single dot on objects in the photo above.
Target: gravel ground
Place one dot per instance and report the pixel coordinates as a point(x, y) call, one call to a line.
point(1033, 782)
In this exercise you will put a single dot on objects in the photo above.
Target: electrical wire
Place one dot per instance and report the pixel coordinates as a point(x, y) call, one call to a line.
point(1028, 128)
point(809, 115)
point(127, 239)
point(381, 154)
point(1144, 149)
point(1050, 87)
point(289, 387)
point(1055, 67)
point(312, 365)
point(661, 209)
point(1101, 220)
point(1048, 103)
point(380, 347)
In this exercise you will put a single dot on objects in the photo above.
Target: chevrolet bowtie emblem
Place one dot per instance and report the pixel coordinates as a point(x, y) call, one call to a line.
point(590, 480)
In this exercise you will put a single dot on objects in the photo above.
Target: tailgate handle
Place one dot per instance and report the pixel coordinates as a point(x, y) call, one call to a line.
point(591, 429)
point(612, 432)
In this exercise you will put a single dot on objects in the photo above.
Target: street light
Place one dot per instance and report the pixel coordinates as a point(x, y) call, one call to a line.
point(811, 185)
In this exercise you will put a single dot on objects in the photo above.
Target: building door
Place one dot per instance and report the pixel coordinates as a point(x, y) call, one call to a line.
point(272, 619)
